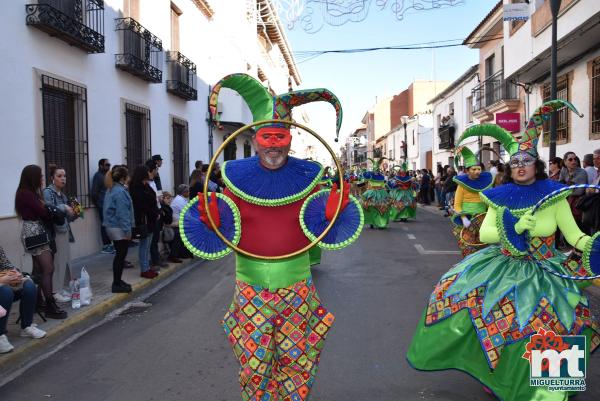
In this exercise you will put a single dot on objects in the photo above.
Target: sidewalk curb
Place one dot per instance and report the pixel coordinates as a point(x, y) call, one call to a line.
point(22, 354)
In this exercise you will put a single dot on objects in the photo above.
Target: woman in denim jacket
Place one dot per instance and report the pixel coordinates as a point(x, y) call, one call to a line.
point(54, 195)
point(118, 222)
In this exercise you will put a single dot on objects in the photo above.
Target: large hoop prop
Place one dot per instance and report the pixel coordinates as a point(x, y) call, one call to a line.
point(211, 167)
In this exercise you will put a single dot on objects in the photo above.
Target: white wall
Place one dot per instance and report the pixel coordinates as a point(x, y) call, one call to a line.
point(522, 47)
point(223, 45)
point(459, 97)
point(579, 93)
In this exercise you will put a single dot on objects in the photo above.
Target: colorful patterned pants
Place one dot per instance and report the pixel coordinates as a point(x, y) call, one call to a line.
point(277, 336)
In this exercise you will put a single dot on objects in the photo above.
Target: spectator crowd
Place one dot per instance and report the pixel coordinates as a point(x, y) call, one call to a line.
point(133, 210)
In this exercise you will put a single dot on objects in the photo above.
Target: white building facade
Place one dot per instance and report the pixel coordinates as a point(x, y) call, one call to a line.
point(527, 60)
point(452, 114)
point(124, 80)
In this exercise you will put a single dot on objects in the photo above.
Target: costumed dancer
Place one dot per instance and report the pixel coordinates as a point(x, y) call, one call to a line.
point(402, 195)
point(469, 209)
point(376, 200)
point(271, 207)
point(484, 311)
point(326, 178)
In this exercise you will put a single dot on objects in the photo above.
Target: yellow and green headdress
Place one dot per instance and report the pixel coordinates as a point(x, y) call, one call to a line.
point(468, 157)
point(529, 138)
point(265, 106)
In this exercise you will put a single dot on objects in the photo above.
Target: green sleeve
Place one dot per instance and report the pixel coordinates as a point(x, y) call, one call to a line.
point(488, 233)
point(569, 227)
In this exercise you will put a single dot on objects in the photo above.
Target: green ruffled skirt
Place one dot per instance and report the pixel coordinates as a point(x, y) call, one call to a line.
point(482, 313)
point(375, 218)
point(376, 207)
point(402, 204)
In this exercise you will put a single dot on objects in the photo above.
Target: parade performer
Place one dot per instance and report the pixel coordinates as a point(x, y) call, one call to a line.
point(469, 209)
point(402, 198)
point(376, 200)
point(271, 207)
point(326, 178)
point(484, 311)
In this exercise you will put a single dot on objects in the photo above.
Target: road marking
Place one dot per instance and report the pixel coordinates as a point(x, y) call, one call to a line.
point(410, 236)
point(422, 251)
point(404, 228)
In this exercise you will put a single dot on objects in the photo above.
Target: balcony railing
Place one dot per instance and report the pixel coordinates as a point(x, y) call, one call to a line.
point(182, 76)
point(78, 22)
point(493, 90)
point(141, 51)
point(446, 133)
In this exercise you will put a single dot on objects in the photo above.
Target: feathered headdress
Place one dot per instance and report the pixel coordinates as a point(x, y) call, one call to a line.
point(265, 106)
point(401, 167)
point(376, 163)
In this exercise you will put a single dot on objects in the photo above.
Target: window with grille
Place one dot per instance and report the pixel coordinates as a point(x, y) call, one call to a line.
point(562, 115)
point(64, 109)
point(595, 104)
point(137, 135)
point(180, 152)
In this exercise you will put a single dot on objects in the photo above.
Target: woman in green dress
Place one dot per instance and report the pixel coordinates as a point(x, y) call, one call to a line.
point(376, 200)
point(484, 311)
point(403, 201)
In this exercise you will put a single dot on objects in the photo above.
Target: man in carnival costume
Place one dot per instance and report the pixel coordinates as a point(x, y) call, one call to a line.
point(484, 311)
point(376, 200)
point(402, 198)
point(469, 209)
point(271, 207)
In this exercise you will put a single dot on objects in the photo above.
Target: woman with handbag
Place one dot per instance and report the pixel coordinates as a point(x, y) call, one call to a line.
point(63, 236)
point(118, 222)
point(145, 213)
point(14, 286)
point(36, 240)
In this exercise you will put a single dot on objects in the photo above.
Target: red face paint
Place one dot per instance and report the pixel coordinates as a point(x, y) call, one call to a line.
point(273, 137)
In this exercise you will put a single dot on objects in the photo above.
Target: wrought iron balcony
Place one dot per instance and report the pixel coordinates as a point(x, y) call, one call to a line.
point(493, 90)
point(78, 22)
point(182, 76)
point(141, 51)
point(446, 134)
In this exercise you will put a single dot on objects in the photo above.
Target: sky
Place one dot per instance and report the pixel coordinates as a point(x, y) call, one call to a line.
point(359, 79)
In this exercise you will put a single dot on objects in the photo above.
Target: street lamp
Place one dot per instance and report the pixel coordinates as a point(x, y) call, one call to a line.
point(555, 8)
point(404, 123)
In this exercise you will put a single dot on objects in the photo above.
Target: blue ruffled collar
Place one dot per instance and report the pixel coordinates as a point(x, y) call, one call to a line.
point(517, 197)
point(250, 181)
point(374, 176)
point(406, 178)
point(483, 182)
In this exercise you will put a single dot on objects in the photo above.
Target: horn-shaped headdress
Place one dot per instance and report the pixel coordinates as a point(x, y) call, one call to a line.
point(265, 106)
point(468, 157)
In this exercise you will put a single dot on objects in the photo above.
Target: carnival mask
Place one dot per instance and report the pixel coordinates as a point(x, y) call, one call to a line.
point(273, 137)
point(521, 159)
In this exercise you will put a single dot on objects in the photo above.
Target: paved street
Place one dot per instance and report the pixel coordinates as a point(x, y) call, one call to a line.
point(175, 350)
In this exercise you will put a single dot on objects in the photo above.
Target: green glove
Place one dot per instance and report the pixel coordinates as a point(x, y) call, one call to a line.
point(526, 222)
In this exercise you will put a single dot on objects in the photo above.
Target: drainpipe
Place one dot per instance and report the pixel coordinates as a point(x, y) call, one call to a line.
point(555, 8)
point(211, 124)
